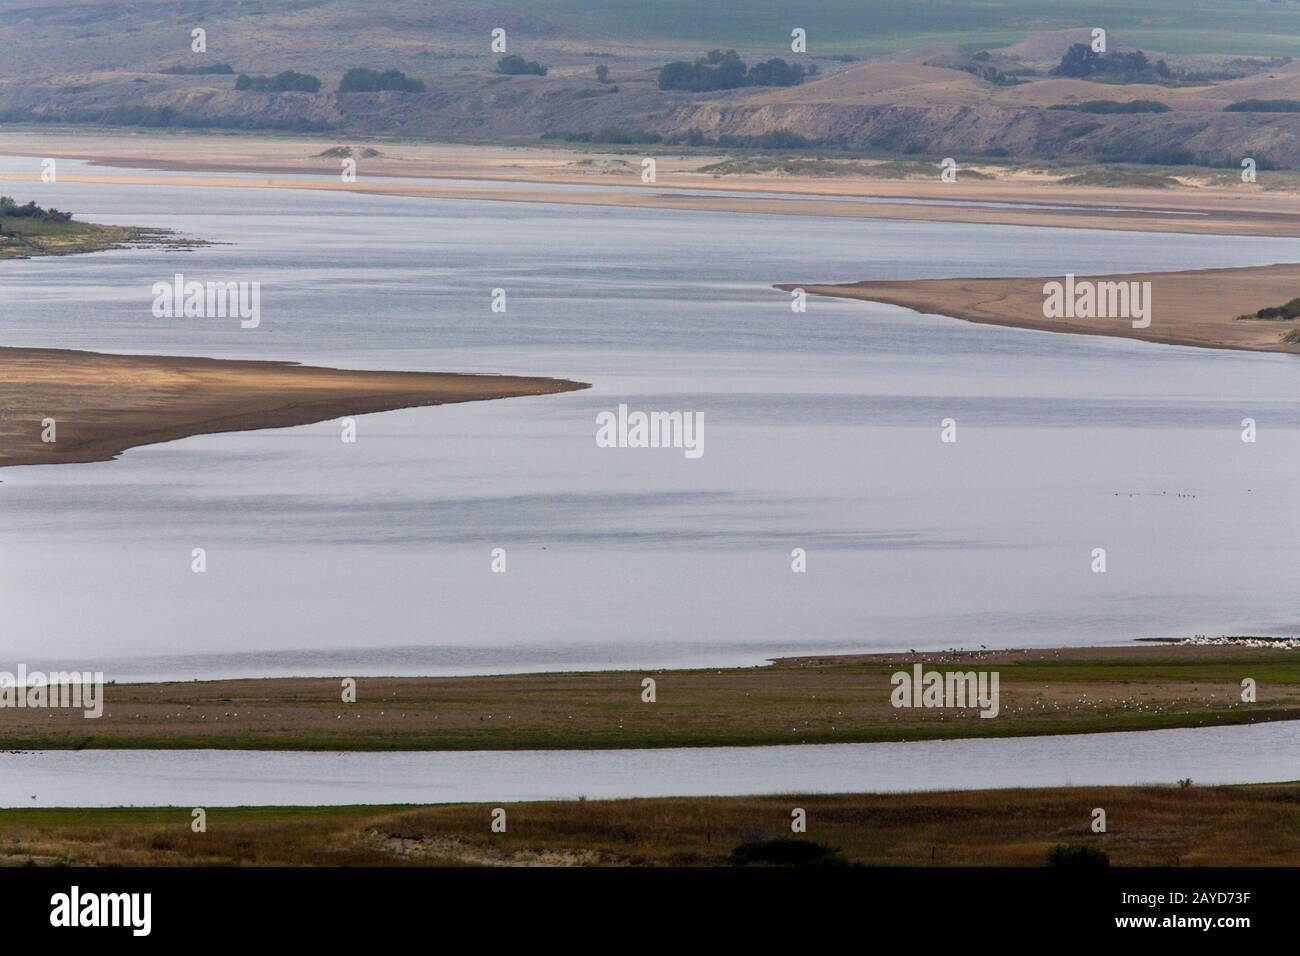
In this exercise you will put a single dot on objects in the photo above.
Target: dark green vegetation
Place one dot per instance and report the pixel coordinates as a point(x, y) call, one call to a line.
point(1263, 106)
point(1081, 62)
point(727, 71)
point(515, 65)
point(786, 852)
point(1077, 856)
point(1113, 106)
point(991, 74)
point(28, 230)
point(1284, 312)
point(215, 69)
point(1147, 826)
point(286, 82)
point(362, 80)
point(10, 209)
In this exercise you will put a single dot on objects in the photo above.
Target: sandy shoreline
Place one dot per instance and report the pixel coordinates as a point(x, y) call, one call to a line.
point(1196, 308)
point(497, 174)
point(105, 404)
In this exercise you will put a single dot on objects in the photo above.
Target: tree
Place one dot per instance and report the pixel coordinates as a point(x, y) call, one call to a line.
point(516, 65)
point(727, 71)
point(361, 80)
point(602, 73)
point(1080, 60)
point(288, 81)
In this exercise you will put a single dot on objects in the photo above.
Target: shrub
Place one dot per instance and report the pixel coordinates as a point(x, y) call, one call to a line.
point(216, 69)
point(1077, 856)
point(285, 82)
point(786, 852)
point(361, 80)
point(1113, 106)
point(516, 65)
point(10, 209)
point(1082, 62)
point(1284, 312)
point(726, 71)
point(1263, 106)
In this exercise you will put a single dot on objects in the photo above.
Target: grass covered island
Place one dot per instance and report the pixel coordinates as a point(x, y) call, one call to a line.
point(793, 701)
point(28, 230)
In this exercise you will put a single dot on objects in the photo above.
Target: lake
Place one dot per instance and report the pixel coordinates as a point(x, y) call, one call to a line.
point(822, 433)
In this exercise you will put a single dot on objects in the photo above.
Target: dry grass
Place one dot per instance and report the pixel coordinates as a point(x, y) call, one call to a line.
point(827, 700)
point(1147, 826)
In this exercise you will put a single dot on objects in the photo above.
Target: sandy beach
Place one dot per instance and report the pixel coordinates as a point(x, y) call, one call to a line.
point(499, 173)
point(1199, 308)
point(105, 404)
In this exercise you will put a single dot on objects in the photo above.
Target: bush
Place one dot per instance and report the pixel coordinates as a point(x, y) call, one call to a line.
point(9, 209)
point(216, 69)
point(1284, 313)
point(726, 71)
point(1113, 106)
point(786, 852)
point(516, 65)
point(990, 74)
point(1082, 62)
point(1077, 856)
point(1263, 106)
point(777, 139)
point(1160, 155)
point(361, 80)
point(285, 82)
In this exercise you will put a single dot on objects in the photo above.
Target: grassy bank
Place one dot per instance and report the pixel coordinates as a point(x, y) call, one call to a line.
point(34, 237)
point(796, 701)
point(1146, 826)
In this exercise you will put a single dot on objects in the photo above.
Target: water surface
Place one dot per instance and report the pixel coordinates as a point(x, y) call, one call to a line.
point(216, 778)
point(822, 433)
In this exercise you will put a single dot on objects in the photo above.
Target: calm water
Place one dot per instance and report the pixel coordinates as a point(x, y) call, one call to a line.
point(822, 432)
point(214, 778)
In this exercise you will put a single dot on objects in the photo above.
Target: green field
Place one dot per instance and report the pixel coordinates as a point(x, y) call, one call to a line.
point(1244, 27)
